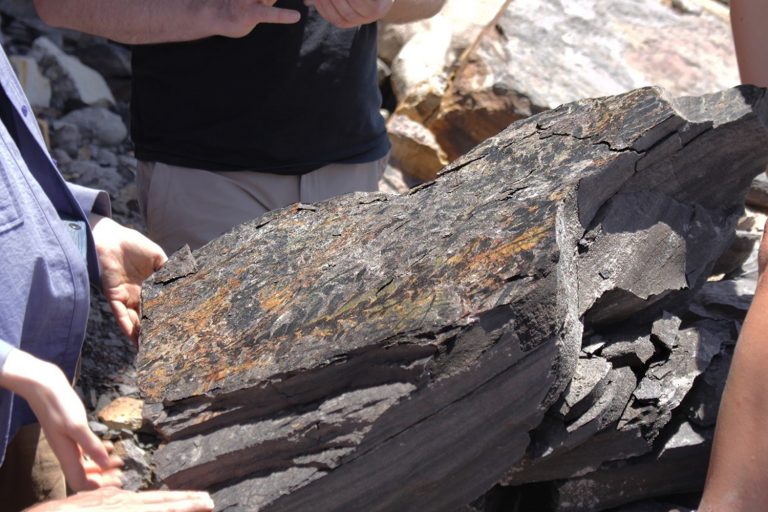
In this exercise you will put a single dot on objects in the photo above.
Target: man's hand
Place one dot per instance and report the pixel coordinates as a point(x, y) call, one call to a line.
point(118, 500)
point(126, 258)
point(237, 18)
point(86, 461)
point(351, 13)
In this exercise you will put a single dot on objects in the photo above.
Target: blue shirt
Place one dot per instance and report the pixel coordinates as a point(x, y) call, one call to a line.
point(44, 279)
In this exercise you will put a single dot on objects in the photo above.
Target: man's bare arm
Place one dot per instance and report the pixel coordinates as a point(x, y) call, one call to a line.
point(736, 481)
point(748, 18)
point(353, 13)
point(160, 21)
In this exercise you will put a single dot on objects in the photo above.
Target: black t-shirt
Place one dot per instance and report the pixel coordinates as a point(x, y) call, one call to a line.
point(285, 99)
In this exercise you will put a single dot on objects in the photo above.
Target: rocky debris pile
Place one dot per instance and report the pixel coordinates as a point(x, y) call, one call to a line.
point(535, 55)
point(541, 314)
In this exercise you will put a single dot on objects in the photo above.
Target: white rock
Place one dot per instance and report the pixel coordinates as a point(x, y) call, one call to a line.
point(466, 19)
point(98, 124)
point(393, 36)
point(422, 58)
point(35, 85)
point(72, 80)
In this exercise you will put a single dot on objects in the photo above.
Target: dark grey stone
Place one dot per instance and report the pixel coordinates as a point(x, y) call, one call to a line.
point(758, 192)
point(377, 352)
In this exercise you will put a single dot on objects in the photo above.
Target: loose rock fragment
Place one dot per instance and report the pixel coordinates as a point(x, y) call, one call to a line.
point(122, 413)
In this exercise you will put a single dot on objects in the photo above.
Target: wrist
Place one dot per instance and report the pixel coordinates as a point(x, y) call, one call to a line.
point(105, 234)
point(220, 19)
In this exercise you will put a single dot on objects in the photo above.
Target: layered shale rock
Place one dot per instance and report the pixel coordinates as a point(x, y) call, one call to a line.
point(378, 352)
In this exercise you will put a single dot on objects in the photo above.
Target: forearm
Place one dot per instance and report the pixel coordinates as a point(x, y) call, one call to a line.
point(137, 21)
point(748, 19)
point(85, 460)
point(404, 11)
point(739, 461)
point(26, 375)
point(161, 21)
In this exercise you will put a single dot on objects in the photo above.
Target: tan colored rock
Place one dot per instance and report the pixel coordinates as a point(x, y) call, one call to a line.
point(414, 148)
point(474, 108)
point(123, 413)
point(423, 99)
point(393, 181)
point(45, 131)
point(422, 55)
point(420, 74)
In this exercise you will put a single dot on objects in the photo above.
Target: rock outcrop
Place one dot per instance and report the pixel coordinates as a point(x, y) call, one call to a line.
point(536, 55)
point(378, 352)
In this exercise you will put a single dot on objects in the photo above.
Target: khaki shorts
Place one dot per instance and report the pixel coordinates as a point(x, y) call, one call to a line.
point(192, 206)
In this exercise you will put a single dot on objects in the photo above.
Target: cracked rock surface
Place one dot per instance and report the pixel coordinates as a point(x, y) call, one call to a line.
point(378, 352)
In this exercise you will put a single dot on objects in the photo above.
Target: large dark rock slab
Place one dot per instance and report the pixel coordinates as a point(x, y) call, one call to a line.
point(378, 352)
